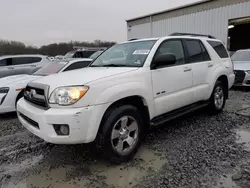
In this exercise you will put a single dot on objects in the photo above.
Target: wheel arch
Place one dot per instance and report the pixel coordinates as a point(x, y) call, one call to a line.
point(224, 80)
point(19, 96)
point(135, 100)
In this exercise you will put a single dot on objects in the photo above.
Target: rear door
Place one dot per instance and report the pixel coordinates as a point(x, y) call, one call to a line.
point(202, 65)
point(25, 65)
point(6, 67)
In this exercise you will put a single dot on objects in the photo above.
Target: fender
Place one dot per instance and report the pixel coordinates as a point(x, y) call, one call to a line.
point(219, 71)
point(117, 92)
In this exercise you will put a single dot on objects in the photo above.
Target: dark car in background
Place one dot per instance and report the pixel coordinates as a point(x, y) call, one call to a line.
point(84, 52)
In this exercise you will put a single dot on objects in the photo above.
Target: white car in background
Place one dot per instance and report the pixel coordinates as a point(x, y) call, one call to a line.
point(21, 64)
point(11, 87)
point(241, 60)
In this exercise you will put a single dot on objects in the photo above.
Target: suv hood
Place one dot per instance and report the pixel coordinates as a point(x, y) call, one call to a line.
point(7, 81)
point(82, 76)
point(241, 65)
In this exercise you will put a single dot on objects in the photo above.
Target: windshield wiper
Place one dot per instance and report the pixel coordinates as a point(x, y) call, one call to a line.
point(109, 65)
point(114, 65)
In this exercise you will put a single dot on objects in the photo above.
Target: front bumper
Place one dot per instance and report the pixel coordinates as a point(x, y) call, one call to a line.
point(83, 122)
point(245, 82)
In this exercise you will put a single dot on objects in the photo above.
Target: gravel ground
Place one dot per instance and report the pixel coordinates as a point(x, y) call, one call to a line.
point(198, 150)
point(9, 125)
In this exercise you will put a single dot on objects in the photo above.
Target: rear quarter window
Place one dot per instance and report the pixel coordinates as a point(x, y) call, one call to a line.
point(219, 48)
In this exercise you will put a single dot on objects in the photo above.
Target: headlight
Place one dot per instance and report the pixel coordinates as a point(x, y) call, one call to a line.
point(4, 90)
point(67, 95)
point(248, 71)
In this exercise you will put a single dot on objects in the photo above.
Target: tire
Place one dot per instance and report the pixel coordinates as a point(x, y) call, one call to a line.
point(113, 136)
point(218, 98)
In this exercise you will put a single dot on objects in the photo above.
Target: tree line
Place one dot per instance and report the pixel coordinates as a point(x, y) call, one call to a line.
point(15, 47)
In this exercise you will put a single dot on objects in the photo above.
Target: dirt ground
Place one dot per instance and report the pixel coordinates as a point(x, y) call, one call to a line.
point(198, 150)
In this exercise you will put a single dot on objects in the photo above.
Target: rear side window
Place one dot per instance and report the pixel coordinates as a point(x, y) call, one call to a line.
point(219, 48)
point(77, 65)
point(194, 51)
point(205, 54)
point(25, 60)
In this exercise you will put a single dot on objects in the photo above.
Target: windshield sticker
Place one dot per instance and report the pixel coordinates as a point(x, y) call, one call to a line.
point(141, 52)
point(138, 62)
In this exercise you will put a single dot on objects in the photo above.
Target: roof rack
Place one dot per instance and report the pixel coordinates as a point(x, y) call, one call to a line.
point(82, 48)
point(192, 34)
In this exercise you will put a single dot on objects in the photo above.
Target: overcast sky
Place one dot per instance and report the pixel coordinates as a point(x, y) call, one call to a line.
point(40, 22)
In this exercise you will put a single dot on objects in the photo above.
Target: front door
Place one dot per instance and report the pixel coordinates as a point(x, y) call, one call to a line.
point(172, 85)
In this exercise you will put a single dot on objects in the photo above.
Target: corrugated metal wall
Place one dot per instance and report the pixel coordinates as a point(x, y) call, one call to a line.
point(213, 22)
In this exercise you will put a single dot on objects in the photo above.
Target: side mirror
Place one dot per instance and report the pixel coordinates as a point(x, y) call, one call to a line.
point(164, 60)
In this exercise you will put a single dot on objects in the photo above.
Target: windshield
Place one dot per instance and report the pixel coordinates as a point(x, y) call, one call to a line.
point(132, 54)
point(95, 55)
point(50, 68)
point(69, 54)
point(241, 56)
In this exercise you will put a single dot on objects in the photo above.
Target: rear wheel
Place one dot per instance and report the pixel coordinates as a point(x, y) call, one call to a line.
point(120, 134)
point(218, 98)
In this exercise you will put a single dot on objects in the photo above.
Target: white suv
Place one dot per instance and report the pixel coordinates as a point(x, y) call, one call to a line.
point(114, 101)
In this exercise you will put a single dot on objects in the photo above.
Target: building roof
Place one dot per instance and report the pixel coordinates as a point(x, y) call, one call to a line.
point(169, 10)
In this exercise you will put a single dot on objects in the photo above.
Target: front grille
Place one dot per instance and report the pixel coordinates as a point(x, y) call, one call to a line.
point(239, 76)
point(30, 121)
point(36, 96)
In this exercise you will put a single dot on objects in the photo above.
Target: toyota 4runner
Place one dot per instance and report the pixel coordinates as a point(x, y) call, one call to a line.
point(117, 98)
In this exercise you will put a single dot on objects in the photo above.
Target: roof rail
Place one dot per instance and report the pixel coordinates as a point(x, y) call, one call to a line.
point(89, 48)
point(192, 34)
point(132, 39)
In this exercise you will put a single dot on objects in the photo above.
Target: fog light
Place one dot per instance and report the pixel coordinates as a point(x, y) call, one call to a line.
point(62, 130)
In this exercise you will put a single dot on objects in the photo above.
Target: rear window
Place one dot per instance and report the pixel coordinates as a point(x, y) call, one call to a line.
point(3, 62)
point(50, 68)
point(219, 48)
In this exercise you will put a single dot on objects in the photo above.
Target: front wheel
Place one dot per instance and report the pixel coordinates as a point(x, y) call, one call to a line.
point(218, 98)
point(120, 134)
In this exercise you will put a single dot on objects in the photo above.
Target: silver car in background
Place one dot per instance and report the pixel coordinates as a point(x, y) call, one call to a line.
point(241, 60)
point(21, 64)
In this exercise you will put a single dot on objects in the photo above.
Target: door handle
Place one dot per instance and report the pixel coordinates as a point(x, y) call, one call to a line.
point(10, 67)
point(210, 65)
point(186, 69)
point(33, 65)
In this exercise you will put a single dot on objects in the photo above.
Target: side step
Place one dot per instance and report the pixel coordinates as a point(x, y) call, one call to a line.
point(177, 113)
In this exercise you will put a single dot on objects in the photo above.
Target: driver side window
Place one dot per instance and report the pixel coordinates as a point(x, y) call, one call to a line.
point(174, 47)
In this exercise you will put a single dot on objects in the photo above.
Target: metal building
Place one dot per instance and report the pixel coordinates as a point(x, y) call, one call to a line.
point(227, 20)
